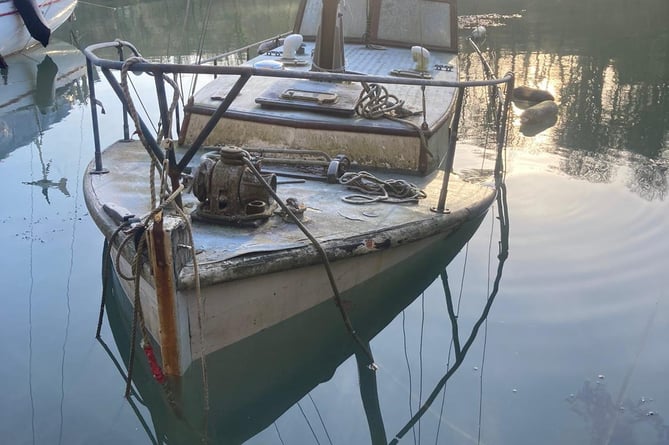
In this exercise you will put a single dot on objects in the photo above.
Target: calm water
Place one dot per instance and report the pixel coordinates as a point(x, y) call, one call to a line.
point(573, 350)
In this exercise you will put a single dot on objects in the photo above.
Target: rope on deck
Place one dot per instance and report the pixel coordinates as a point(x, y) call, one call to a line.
point(394, 191)
point(375, 102)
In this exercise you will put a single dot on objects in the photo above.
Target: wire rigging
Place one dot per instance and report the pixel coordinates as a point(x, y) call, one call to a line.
point(304, 415)
point(420, 358)
point(75, 218)
point(30, 304)
point(200, 47)
point(318, 412)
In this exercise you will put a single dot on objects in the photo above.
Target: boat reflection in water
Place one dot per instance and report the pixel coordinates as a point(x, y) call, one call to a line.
point(253, 382)
point(38, 89)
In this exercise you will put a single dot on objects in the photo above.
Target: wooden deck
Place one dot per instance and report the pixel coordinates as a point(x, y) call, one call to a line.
point(327, 216)
point(359, 59)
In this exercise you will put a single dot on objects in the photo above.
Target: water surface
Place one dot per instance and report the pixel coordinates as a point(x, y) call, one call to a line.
point(572, 350)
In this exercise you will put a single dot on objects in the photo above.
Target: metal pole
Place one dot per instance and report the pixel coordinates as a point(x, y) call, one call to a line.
point(213, 121)
point(126, 127)
point(94, 118)
point(162, 103)
point(501, 131)
point(450, 154)
point(153, 145)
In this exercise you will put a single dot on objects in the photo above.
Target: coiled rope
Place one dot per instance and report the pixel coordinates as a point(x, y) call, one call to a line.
point(394, 191)
point(375, 102)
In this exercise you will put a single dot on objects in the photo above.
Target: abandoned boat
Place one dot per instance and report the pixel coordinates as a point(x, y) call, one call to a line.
point(247, 396)
point(317, 165)
point(24, 23)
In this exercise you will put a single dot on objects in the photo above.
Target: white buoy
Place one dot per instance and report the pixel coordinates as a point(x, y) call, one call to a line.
point(421, 56)
point(290, 45)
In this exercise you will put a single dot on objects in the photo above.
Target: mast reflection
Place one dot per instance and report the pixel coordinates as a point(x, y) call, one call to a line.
point(612, 94)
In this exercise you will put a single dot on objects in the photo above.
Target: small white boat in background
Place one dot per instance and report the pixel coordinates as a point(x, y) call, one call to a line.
point(25, 22)
point(363, 95)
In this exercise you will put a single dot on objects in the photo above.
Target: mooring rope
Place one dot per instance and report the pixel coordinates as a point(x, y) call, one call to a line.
point(324, 257)
point(106, 260)
point(136, 308)
point(162, 133)
point(166, 199)
point(394, 191)
point(169, 199)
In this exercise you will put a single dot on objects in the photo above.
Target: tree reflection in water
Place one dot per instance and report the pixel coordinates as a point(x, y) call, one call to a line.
point(617, 423)
point(608, 72)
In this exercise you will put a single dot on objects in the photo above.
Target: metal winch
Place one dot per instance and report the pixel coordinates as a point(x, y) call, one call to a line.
point(229, 191)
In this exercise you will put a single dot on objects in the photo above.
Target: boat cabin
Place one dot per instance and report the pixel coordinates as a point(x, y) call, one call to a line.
point(429, 23)
point(406, 40)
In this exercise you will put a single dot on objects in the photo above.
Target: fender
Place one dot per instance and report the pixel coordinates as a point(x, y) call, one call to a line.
point(531, 95)
point(34, 20)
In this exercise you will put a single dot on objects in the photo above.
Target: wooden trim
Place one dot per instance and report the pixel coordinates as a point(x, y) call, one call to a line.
point(160, 255)
point(454, 25)
point(300, 16)
point(314, 125)
point(375, 6)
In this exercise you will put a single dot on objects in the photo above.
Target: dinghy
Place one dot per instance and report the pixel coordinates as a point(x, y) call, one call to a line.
point(293, 178)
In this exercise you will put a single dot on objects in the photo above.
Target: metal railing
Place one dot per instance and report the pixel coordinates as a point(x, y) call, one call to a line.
point(243, 74)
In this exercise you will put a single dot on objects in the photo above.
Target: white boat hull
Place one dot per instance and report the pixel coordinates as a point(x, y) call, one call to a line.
point(14, 35)
point(238, 309)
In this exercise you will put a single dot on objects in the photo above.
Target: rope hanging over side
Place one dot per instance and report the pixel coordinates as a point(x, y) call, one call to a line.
point(324, 257)
point(394, 191)
point(163, 134)
point(168, 198)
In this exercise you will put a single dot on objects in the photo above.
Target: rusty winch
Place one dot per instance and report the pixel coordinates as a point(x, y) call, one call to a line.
point(229, 191)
